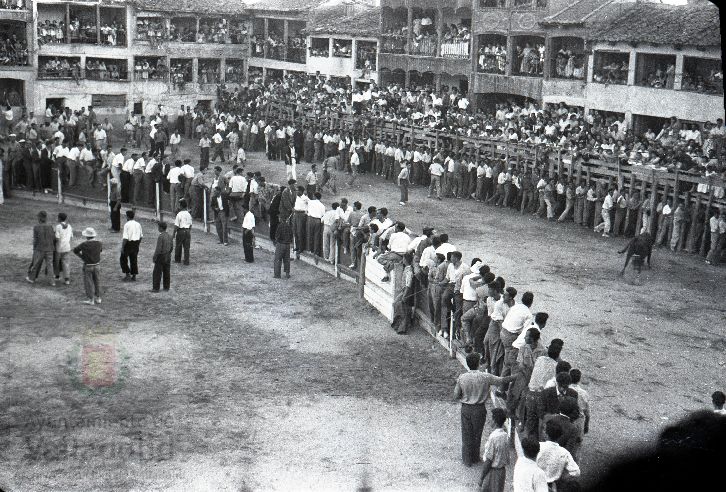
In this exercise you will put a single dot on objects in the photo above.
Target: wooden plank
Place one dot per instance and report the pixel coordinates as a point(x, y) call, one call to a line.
point(706, 227)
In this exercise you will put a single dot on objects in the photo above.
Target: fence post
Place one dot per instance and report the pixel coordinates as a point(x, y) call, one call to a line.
point(108, 191)
point(362, 272)
point(60, 187)
point(452, 353)
point(204, 209)
point(336, 258)
point(157, 187)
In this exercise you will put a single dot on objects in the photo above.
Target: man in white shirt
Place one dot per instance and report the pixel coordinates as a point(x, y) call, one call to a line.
point(63, 236)
point(436, 170)
point(300, 213)
point(315, 213)
point(331, 223)
point(528, 477)
point(182, 233)
point(397, 247)
point(127, 170)
point(188, 172)
point(248, 234)
point(132, 236)
point(176, 192)
point(556, 461)
point(73, 162)
point(607, 204)
point(138, 172)
point(116, 164)
point(518, 317)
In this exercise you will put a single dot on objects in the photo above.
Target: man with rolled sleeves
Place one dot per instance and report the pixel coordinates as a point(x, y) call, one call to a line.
point(472, 391)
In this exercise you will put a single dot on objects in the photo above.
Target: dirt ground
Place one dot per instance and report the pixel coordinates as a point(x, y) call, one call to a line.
point(232, 381)
point(213, 392)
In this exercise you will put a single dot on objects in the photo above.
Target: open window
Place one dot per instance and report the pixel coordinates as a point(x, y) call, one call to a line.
point(366, 55)
point(529, 55)
point(208, 71)
point(320, 47)
point(82, 26)
point(150, 68)
point(13, 44)
point(234, 71)
point(342, 48)
point(702, 75)
point(492, 53)
point(610, 67)
point(106, 69)
point(59, 67)
point(569, 58)
point(113, 26)
point(183, 29)
point(180, 71)
point(656, 71)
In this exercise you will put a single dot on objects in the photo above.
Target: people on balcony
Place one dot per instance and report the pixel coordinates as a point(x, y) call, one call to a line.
point(150, 69)
point(320, 51)
point(151, 29)
point(493, 58)
point(569, 65)
point(181, 73)
point(114, 33)
point(296, 47)
point(234, 73)
point(258, 46)
point(613, 72)
point(59, 68)
point(342, 50)
point(82, 31)
point(51, 31)
point(711, 84)
point(455, 42)
point(275, 46)
point(238, 31)
point(100, 70)
point(530, 59)
point(12, 4)
point(182, 34)
point(13, 51)
point(208, 73)
point(212, 31)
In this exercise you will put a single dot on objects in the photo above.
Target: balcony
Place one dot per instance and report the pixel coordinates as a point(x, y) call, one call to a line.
point(530, 87)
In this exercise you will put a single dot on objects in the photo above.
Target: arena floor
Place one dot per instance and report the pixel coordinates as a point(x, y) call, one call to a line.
point(235, 382)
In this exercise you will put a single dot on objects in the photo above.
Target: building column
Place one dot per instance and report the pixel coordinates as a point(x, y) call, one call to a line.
point(510, 56)
point(265, 35)
point(437, 82)
point(223, 69)
point(195, 71)
point(474, 56)
point(354, 53)
point(409, 32)
point(196, 29)
point(631, 68)
point(68, 23)
point(547, 69)
point(590, 67)
point(678, 80)
point(285, 32)
point(407, 81)
point(439, 30)
point(330, 47)
point(98, 23)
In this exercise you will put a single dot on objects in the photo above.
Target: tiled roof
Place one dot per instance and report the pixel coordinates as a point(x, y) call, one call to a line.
point(576, 13)
point(282, 5)
point(197, 6)
point(364, 23)
point(660, 24)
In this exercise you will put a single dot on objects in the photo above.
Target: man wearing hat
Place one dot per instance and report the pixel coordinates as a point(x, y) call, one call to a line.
point(90, 252)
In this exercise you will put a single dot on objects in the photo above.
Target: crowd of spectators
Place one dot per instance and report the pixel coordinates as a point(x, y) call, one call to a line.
point(183, 34)
point(212, 31)
point(13, 51)
point(455, 42)
point(320, 51)
point(660, 77)
point(82, 31)
point(100, 70)
point(570, 65)
point(59, 68)
point(51, 31)
point(181, 73)
point(529, 59)
point(710, 84)
point(151, 29)
point(342, 49)
point(238, 31)
point(611, 72)
point(150, 69)
point(114, 34)
point(208, 72)
point(12, 4)
point(493, 58)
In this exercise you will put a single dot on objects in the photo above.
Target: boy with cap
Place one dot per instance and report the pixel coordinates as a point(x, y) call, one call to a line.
point(90, 252)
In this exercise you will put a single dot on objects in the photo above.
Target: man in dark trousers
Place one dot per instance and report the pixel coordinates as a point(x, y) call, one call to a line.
point(130, 247)
point(162, 259)
point(472, 390)
point(90, 252)
point(114, 206)
point(43, 248)
point(274, 212)
point(182, 233)
point(287, 201)
point(283, 240)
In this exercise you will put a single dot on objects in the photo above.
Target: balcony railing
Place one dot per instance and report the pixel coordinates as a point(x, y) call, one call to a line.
point(456, 49)
point(95, 74)
point(424, 47)
point(395, 44)
point(14, 58)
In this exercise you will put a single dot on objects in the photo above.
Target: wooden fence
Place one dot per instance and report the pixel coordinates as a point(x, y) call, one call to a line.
point(606, 173)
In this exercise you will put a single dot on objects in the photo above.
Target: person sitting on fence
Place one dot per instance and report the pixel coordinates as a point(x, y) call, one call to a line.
point(397, 247)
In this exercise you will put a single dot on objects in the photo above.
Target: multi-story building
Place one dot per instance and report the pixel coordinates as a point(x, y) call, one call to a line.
point(124, 56)
point(596, 54)
point(278, 44)
point(342, 42)
point(17, 73)
point(426, 42)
